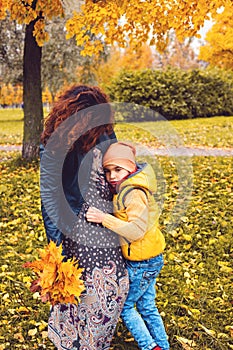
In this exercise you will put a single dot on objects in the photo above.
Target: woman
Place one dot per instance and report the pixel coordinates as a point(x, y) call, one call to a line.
point(82, 120)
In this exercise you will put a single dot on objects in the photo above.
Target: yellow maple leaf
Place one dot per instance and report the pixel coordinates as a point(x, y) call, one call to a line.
point(37, 265)
point(58, 281)
point(52, 253)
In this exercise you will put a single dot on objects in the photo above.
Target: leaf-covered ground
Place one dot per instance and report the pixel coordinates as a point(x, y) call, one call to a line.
point(194, 289)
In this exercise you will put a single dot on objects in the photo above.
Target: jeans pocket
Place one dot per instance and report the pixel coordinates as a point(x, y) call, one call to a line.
point(147, 278)
point(150, 275)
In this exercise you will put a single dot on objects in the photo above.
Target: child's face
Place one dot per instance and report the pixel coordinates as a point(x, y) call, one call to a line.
point(115, 173)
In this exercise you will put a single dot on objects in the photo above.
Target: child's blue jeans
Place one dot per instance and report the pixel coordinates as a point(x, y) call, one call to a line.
point(144, 322)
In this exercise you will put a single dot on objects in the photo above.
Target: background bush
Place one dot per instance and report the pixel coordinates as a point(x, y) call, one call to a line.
point(175, 93)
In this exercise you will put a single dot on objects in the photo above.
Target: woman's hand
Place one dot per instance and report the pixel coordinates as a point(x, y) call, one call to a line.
point(95, 215)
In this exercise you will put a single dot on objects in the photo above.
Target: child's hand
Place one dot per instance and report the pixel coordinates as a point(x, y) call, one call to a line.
point(95, 215)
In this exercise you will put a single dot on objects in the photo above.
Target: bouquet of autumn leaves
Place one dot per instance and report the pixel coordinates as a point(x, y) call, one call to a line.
point(58, 281)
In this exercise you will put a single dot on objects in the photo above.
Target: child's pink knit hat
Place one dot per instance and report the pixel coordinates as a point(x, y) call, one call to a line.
point(121, 154)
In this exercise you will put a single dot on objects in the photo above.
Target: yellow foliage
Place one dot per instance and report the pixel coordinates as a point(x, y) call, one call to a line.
point(134, 22)
point(26, 12)
point(219, 48)
point(129, 23)
point(11, 95)
point(128, 58)
point(58, 281)
point(39, 32)
point(3, 8)
point(47, 96)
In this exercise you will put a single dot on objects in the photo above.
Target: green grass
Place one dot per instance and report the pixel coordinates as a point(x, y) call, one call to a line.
point(199, 132)
point(207, 132)
point(11, 115)
point(11, 126)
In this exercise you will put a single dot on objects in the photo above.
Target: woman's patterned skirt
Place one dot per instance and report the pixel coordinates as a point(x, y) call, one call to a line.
point(90, 325)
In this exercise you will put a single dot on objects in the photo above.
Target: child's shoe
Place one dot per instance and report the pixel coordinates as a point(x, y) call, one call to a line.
point(157, 348)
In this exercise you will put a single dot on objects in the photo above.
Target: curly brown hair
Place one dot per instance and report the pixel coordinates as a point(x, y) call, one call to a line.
point(79, 99)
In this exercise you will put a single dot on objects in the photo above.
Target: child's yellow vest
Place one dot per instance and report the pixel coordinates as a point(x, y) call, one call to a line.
point(153, 242)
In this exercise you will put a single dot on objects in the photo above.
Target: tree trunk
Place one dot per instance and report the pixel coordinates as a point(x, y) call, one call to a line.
point(32, 95)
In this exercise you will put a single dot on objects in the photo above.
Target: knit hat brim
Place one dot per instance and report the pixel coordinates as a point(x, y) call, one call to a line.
point(120, 154)
point(121, 162)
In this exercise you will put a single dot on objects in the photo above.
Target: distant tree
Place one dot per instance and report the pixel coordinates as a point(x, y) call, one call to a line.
point(177, 54)
point(60, 58)
point(108, 67)
point(218, 50)
point(137, 59)
point(85, 73)
point(47, 96)
point(11, 51)
point(118, 59)
point(11, 95)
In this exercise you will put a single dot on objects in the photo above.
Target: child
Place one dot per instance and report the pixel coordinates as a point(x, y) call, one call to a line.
point(135, 220)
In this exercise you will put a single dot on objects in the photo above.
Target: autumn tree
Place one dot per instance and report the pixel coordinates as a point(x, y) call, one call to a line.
point(177, 54)
point(218, 50)
point(119, 59)
point(11, 95)
point(33, 13)
point(135, 22)
point(60, 57)
point(125, 22)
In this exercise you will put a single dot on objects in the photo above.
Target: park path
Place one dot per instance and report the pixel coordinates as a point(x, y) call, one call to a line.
point(188, 151)
point(175, 151)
